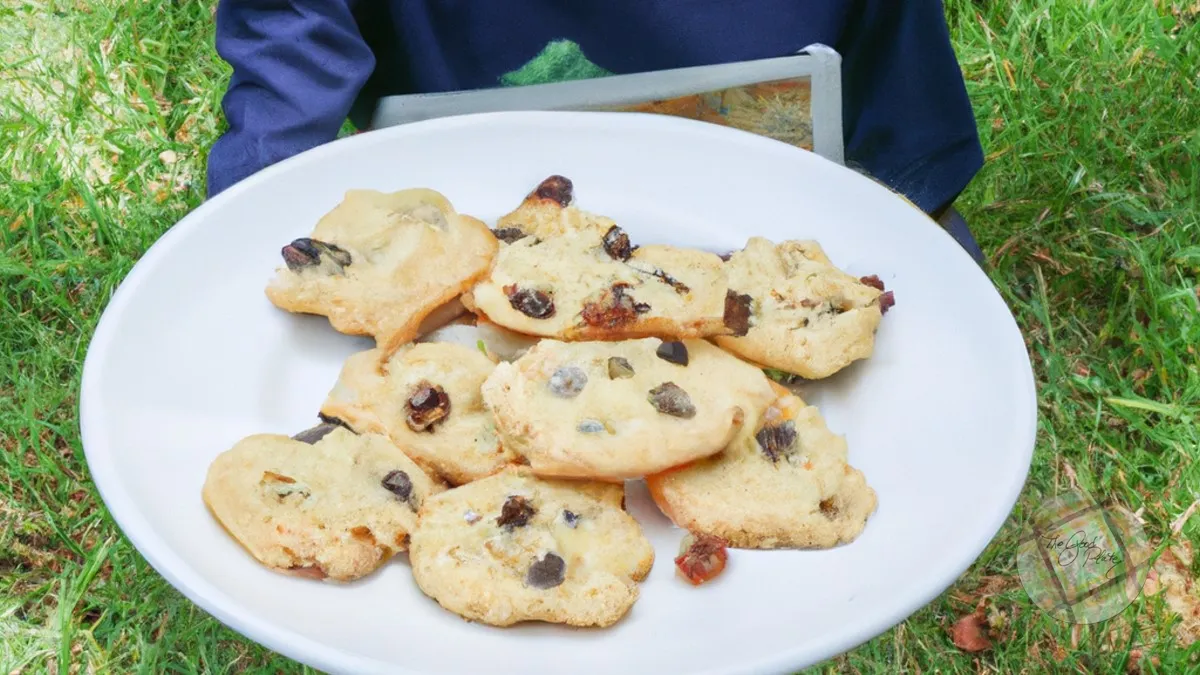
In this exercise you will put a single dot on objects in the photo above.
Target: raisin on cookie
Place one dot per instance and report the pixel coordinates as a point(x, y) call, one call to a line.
point(617, 410)
point(797, 312)
point(426, 398)
point(326, 504)
point(782, 483)
point(548, 211)
point(380, 264)
point(512, 547)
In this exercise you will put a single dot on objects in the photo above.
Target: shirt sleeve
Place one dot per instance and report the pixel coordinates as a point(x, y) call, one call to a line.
point(906, 116)
point(297, 69)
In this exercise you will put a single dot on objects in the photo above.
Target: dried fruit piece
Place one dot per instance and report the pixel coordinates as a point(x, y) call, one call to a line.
point(701, 558)
point(398, 483)
point(558, 189)
point(675, 352)
point(873, 281)
point(306, 253)
point(509, 234)
point(530, 302)
point(570, 518)
point(428, 405)
point(547, 572)
point(738, 311)
point(516, 512)
point(619, 368)
point(886, 302)
point(284, 486)
point(330, 419)
point(828, 508)
point(782, 377)
point(590, 427)
point(314, 434)
point(680, 287)
point(614, 308)
point(669, 280)
point(364, 534)
point(568, 381)
point(284, 490)
point(776, 440)
point(833, 310)
point(308, 572)
point(617, 245)
point(669, 399)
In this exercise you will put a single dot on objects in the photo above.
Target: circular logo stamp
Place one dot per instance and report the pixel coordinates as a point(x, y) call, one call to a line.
point(1081, 561)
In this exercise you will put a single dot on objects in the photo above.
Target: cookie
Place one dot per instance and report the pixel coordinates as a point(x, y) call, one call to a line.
point(617, 410)
point(589, 284)
point(549, 211)
point(379, 264)
point(513, 547)
point(426, 398)
point(331, 505)
point(799, 313)
point(782, 483)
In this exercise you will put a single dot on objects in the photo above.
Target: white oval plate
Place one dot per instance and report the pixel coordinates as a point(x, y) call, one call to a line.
point(190, 356)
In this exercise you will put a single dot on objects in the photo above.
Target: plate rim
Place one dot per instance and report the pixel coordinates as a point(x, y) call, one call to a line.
point(227, 610)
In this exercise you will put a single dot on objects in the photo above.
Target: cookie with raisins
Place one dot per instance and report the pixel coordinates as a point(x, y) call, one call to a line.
point(426, 398)
point(512, 547)
point(577, 276)
point(800, 313)
point(618, 410)
point(782, 483)
point(387, 265)
point(326, 504)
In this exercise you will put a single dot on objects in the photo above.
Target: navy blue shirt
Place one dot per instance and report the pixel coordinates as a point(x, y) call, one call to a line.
point(301, 68)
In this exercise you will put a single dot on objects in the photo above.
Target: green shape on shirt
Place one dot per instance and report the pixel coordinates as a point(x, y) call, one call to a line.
point(559, 61)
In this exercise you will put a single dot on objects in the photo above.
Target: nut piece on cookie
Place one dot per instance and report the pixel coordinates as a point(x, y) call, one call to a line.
point(617, 410)
point(381, 264)
point(592, 284)
point(335, 506)
point(792, 310)
point(426, 398)
point(513, 547)
point(782, 483)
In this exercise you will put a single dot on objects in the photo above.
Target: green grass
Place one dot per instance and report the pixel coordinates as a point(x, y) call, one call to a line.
point(1087, 209)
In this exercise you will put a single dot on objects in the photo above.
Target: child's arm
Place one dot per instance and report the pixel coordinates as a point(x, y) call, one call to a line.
point(908, 121)
point(297, 68)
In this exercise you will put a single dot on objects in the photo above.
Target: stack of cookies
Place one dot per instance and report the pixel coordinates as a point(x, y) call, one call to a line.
point(520, 376)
